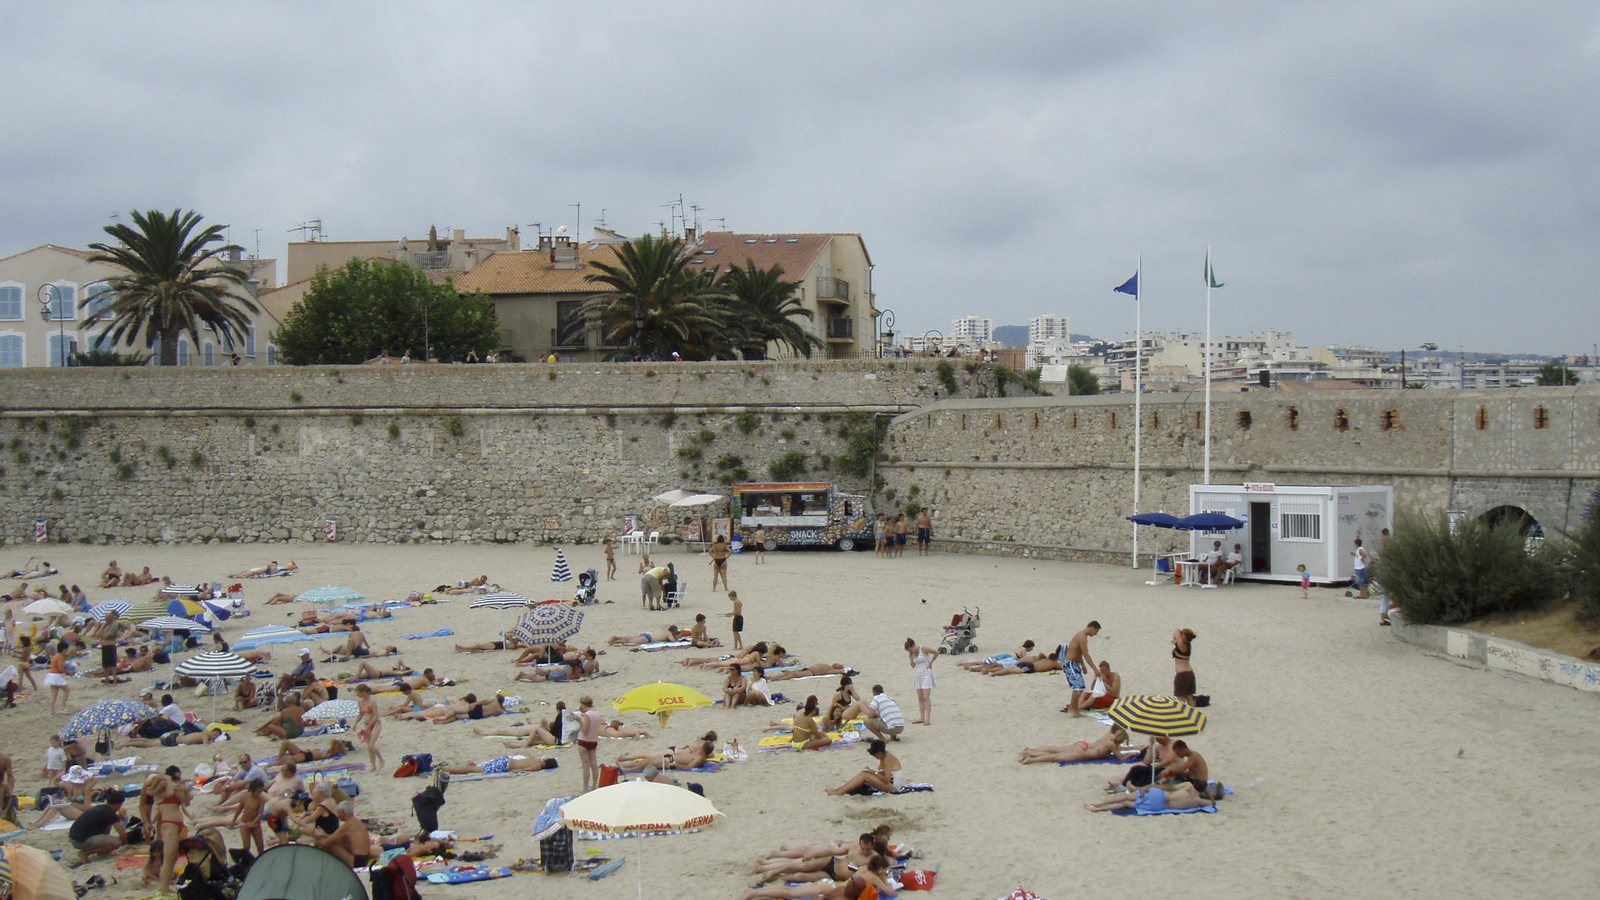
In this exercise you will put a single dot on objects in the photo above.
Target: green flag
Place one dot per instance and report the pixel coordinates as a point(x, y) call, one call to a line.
point(1211, 277)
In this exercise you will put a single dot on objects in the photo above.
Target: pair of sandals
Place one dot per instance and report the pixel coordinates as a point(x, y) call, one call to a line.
point(95, 882)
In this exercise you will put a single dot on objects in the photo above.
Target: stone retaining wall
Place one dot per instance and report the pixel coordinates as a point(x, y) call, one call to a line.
point(1499, 654)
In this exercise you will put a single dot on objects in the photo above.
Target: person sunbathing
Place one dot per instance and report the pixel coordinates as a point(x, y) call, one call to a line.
point(539, 654)
point(1107, 746)
point(1153, 757)
point(175, 738)
point(377, 611)
point(1039, 662)
point(581, 666)
point(416, 847)
point(143, 578)
point(1154, 799)
point(888, 777)
point(270, 568)
point(692, 756)
point(288, 752)
point(697, 634)
point(409, 701)
point(440, 710)
point(615, 729)
point(531, 735)
point(20, 592)
point(502, 764)
point(417, 682)
point(843, 706)
point(244, 695)
point(494, 706)
point(255, 656)
point(112, 576)
point(855, 856)
point(670, 635)
point(370, 670)
point(856, 885)
point(488, 646)
point(810, 669)
point(806, 733)
point(832, 848)
point(279, 598)
point(994, 662)
point(289, 723)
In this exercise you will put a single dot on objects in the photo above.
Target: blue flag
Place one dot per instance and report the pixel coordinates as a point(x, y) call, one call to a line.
point(1131, 286)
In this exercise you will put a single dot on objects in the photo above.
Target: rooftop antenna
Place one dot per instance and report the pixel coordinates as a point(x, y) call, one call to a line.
point(602, 218)
point(720, 220)
point(310, 231)
point(696, 208)
point(579, 229)
point(258, 243)
point(675, 210)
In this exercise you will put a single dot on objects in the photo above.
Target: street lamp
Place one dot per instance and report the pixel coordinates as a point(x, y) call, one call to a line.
point(886, 323)
point(925, 339)
point(46, 300)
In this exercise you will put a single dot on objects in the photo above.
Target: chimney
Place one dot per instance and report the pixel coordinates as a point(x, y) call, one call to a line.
point(513, 238)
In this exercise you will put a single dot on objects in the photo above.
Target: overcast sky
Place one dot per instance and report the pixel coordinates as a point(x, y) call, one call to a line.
point(1382, 173)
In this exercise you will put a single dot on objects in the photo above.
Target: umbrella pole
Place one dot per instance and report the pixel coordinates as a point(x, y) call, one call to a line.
point(639, 869)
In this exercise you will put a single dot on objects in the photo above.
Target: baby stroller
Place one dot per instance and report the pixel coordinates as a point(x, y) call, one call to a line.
point(588, 584)
point(961, 632)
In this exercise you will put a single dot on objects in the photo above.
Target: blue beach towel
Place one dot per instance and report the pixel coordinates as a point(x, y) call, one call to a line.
point(443, 632)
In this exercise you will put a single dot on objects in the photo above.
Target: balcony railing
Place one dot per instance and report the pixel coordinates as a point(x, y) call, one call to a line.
point(829, 288)
point(841, 328)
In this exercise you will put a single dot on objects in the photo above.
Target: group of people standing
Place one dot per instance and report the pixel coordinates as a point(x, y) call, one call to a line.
point(889, 535)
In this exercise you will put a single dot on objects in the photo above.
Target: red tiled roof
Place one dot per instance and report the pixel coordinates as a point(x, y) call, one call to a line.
point(795, 252)
point(81, 254)
point(532, 272)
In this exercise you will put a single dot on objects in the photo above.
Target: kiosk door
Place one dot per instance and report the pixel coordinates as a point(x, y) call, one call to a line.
point(1261, 537)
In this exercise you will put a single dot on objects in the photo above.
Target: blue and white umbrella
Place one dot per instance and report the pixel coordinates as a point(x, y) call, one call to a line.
point(215, 664)
point(181, 590)
point(329, 594)
point(500, 600)
point(548, 623)
point(100, 610)
point(105, 714)
point(334, 710)
point(221, 610)
point(174, 623)
point(562, 572)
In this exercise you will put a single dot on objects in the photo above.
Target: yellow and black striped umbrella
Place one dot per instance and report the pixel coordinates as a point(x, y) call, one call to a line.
point(145, 612)
point(1156, 715)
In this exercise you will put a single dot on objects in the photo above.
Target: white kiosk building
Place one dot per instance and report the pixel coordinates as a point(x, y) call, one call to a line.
point(1290, 525)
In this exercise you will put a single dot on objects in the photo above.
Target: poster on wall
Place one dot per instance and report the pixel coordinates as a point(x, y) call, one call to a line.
point(722, 528)
point(692, 526)
point(630, 524)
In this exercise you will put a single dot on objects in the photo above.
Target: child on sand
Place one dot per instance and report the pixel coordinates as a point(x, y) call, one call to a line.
point(738, 620)
point(1305, 582)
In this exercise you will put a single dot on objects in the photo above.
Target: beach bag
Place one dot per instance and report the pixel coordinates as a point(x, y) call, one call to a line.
point(917, 880)
point(350, 786)
point(425, 803)
point(414, 764)
point(396, 880)
point(555, 851)
point(609, 775)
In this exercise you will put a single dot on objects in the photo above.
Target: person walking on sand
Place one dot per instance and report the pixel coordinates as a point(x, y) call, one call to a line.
point(56, 679)
point(719, 561)
point(589, 725)
point(1359, 579)
point(924, 532)
point(611, 560)
point(1183, 678)
point(1074, 660)
point(922, 678)
point(369, 725)
point(738, 620)
point(759, 540)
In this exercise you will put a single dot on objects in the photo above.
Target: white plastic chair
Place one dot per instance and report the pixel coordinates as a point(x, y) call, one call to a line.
point(675, 598)
point(651, 541)
point(1227, 577)
point(631, 542)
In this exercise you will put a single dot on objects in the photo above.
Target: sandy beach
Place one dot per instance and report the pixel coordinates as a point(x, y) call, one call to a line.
point(1361, 767)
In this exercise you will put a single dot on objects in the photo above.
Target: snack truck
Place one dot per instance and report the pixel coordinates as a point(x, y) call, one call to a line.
point(804, 514)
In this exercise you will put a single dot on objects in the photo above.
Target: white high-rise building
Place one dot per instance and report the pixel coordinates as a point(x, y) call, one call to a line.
point(1043, 329)
point(973, 331)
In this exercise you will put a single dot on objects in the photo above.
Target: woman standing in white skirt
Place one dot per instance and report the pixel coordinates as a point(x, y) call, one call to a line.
point(922, 678)
point(56, 678)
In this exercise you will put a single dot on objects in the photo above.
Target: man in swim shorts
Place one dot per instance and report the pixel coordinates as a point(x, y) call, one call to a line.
point(1074, 656)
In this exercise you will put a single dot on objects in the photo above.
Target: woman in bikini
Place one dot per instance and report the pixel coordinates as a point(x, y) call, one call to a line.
point(588, 740)
point(174, 738)
point(832, 866)
point(668, 636)
point(844, 700)
point(888, 777)
point(809, 670)
point(807, 733)
point(457, 708)
point(171, 797)
point(288, 752)
point(1108, 746)
point(476, 709)
point(691, 756)
point(1183, 677)
point(369, 725)
point(851, 889)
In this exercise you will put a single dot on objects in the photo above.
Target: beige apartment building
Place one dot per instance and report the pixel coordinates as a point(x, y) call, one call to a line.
point(537, 292)
point(64, 278)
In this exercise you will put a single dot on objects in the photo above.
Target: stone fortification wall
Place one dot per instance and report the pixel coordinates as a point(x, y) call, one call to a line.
point(418, 453)
point(1055, 474)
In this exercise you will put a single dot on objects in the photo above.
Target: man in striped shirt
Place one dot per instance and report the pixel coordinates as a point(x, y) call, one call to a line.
point(883, 716)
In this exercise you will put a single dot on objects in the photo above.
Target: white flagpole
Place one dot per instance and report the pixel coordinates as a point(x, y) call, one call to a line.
point(1208, 366)
point(1138, 392)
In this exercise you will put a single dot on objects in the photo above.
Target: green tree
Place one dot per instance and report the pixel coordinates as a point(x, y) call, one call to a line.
point(177, 281)
point(1555, 375)
point(1081, 381)
point(763, 310)
point(369, 307)
point(655, 303)
point(100, 356)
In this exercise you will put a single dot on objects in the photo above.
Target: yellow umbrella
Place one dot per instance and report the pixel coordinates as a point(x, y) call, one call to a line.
point(661, 699)
point(33, 874)
point(639, 808)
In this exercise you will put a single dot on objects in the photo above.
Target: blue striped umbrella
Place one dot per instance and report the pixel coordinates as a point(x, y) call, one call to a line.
point(562, 572)
point(215, 664)
point(174, 623)
point(180, 590)
point(100, 610)
point(329, 594)
point(105, 714)
point(548, 623)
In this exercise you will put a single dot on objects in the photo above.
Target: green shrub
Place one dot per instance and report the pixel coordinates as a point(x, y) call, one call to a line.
point(705, 436)
point(116, 455)
point(454, 428)
point(249, 421)
point(729, 461)
point(863, 435)
point(125, 471)
point(1584, 547)
point(72, 432)
point(787, 434)
point(196, 459)
point(394, 431)
point(788, 467)
point(57, 495)
point(1439, 575)
point(912, 508)
point(164, 454)
point(356, 419)
point(295, 397)
point(946, 374)
point(690, 452)
point(747, 422)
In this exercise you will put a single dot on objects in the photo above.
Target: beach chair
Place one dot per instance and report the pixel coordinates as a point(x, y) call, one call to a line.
point(675, 597)
point(650, 542)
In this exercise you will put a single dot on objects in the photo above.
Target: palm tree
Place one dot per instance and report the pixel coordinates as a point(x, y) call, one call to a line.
point(175, 283)
point(656, 303)
point(764, 307)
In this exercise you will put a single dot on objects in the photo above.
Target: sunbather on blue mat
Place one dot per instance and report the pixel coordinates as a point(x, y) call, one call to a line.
point(1150, 801)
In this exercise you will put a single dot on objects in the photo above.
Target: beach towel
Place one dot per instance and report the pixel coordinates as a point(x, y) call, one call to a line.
point(915, 787)
point(331, 768)
point(1093, 762)
point(443, 632)
point(663, 645)
point(278, 574)
point(1161, 812)
point(479, 776)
